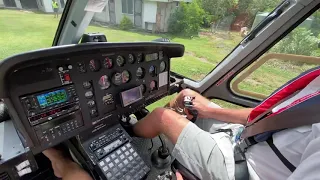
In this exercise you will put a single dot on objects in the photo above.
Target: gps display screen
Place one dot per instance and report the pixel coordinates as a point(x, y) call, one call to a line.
point(52, 98)
point(131, 96)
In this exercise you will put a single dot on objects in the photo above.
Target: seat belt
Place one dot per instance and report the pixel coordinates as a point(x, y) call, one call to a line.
point(285, 161)
point(305, 113)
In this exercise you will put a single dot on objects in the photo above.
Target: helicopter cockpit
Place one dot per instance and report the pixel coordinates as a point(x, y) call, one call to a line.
point(86, 92)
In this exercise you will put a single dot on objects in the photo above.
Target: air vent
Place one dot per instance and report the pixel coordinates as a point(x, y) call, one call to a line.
point(4, 176)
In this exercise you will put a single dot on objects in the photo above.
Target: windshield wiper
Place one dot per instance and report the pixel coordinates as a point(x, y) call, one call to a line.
point(274, 15)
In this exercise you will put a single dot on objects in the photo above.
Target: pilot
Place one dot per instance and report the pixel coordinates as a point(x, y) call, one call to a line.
point(208, 152)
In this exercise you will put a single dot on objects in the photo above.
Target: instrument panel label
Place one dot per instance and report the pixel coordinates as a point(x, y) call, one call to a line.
point(163, 79)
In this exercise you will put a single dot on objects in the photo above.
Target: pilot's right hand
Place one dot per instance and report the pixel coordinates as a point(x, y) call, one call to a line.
point(200, 103)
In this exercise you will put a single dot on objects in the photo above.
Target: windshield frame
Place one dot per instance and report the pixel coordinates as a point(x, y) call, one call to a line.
point(62, 22)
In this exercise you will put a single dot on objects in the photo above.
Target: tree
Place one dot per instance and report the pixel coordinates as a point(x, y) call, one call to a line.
point(218, 9)
point(300, 41)
point(252, 7)
point(186, 19)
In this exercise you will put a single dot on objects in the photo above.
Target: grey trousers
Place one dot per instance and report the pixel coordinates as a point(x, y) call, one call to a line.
point(208, 156)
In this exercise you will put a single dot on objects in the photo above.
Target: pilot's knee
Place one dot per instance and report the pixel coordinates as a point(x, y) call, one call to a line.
point(165, 116)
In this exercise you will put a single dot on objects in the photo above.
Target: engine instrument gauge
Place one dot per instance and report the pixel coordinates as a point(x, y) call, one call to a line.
point(152, 71)
point(94, 65)
point(153, 85)
point(120, 61)
point(104, 82)
point(162, 66)
point(131, 58)
point(107, 63)
point(117, 79)
point(125, 76)
point(140, 72)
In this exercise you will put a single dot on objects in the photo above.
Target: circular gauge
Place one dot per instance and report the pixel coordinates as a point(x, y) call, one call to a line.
point(117, 79)
point(139, 57)
point(104, 82)
point(94, 65)
point(162, 66)
point(107, 63)
point(125, 76)
point(86, 84)
point(131, 58)
point(140, 73)
point(153, 85)
point(143, 88)
point(152, 71)
point(120, 61)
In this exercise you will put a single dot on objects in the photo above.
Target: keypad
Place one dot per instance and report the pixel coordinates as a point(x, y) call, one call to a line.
point(124, 163)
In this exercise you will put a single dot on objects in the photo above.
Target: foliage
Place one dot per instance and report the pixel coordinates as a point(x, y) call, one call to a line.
point(218, 9)
point(300, 41)
point(186, 19)
point(125, 23)
point(315, 27)
point(254, 6)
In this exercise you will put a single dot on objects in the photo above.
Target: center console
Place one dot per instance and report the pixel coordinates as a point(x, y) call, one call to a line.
point(83, 91)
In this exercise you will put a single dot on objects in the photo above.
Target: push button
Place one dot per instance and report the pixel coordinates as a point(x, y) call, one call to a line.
point(88, 94)
point(91, 103)
point(81, 67)
point(86, 85)
point(93, 112)
point(67, 77)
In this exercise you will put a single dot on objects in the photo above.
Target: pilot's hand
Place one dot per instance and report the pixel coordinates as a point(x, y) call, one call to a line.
point(59, 162)
point(179, 176)
point(200, 103)
point(64, 167)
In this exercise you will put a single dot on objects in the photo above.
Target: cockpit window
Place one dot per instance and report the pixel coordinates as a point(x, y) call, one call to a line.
point(28, 25)
point(209, 29)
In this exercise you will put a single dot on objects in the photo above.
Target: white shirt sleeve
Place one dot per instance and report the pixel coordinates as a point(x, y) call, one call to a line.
point(310, 161)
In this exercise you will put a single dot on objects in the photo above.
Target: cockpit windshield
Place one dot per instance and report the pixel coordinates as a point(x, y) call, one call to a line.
point(209, 29)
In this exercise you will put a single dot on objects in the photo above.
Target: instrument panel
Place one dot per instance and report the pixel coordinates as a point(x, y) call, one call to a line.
point(60, 92)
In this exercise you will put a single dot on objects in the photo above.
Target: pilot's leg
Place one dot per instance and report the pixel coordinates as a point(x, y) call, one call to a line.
point(194, 148)
point(64, 167)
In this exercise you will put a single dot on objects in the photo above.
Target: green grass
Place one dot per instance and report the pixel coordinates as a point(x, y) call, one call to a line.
point(22, 31)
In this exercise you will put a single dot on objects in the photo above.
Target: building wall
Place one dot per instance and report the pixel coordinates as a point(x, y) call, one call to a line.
point(47, 6)
point(149, 13)
point(164, 11)
point(169, 10)
point(1, 3)
point(18, 4)
point(119, 14)
point(41, 5)
point(103, 16)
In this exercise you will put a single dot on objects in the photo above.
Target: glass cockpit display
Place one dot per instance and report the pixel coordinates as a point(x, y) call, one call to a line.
point(131, 96)
point(52, 98)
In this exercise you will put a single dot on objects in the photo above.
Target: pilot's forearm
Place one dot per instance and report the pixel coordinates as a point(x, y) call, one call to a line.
point(161, 121)
point(237, 116)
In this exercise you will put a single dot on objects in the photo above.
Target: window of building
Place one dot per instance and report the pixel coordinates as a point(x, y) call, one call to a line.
point(296, 53)
point(127, 6)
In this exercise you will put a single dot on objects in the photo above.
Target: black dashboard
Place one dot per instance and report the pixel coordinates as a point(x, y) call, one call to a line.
point(56, 93)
